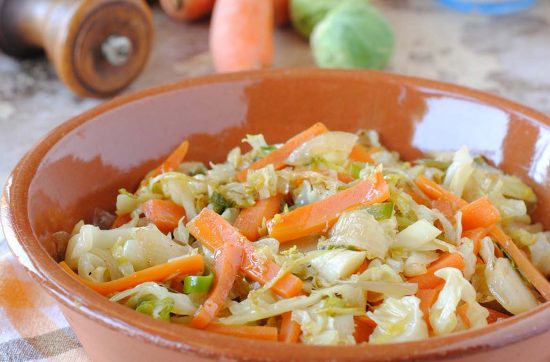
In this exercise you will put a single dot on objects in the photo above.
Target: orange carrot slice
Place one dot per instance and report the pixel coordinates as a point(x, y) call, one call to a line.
point(212, 231)
point(364, 326)
point(494, 316)
point(427, 299)
point(165, 214)
point(173, 161)
point(361, 154)
point(480, 213)
point(475, 235)
point(241, 35)
point(529, 271)
point(278, 157)
point(250, 220)
point(158, 273)
point(121, 220)
point(263, 333)
point(437, 192)
point(227, 261)
point(320, 215)
point(428, 280)
point(290, 330)
point(462, 310)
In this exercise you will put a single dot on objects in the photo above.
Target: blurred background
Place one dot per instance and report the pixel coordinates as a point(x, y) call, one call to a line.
point(505, 53)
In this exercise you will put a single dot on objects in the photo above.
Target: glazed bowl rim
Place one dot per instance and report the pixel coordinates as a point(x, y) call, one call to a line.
point(75, 296)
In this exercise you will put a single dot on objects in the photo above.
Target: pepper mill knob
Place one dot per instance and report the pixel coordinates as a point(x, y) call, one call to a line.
point(98, 47)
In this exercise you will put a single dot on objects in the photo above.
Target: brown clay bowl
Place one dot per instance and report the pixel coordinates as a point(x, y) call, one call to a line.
point(81, 165)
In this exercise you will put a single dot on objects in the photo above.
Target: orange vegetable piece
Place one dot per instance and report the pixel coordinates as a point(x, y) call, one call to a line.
point(250, 220)
point(476, 235)
point(165, 214)
point(364, 326)
point(241, 35)
point(290, 330)
point(278, 157)
point(532, 274)
point(427, 299)
point(428, 280)
point(213, 231)
point(437, 192)
point(479, 213)
point(360, 153)
point(227, 261)
point(158, 273)
point(461, 311)
point(264, 333)
point(173, 161)
point(494, 316)
point(121, 220)
point(318, 216)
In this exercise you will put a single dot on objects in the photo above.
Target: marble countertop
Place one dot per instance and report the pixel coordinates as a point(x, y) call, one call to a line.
point(508, 55)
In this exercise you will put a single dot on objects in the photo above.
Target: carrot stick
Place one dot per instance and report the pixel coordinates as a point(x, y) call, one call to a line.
point(187, 9)
point(427, 299)
point(428, 280)
point(278, 157)
point(475, 235)
point(494, 316)
point(290, 330)
point(173, 161)
point(165, 214)
point(212, 231)
point(361, 154)
point(523, 263)
point(158, 273)
point(364, 266)
point(364, 326)
point(462, 310)
point(281, 12)
point(318, 216)
point(121, 220)
point(445, 207)
point(479, 213)
point(437, 192)
point(228, 260)
point(250, 220)
point(344, 177)
point(241, 35)
point(264, 333)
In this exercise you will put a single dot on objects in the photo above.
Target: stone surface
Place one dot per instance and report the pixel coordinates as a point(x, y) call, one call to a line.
point(508, 55)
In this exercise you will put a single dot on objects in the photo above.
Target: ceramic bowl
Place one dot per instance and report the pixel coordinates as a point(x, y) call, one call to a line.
point(81, 164)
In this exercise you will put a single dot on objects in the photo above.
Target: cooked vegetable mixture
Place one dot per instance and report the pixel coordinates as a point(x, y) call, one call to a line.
point(326, 239)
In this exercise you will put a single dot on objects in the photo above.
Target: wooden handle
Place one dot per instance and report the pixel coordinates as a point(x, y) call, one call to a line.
point(98, 47)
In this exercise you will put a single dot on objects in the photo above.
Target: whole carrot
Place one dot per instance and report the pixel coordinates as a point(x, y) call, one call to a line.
point(187, 9)
point(241, 35)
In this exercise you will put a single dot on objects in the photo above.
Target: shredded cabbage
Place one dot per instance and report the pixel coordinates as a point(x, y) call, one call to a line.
point(416, 235)
point(331, 147)
point(443, 317)
point(459, 171)
point(181, 304)
point(398, 320)
point(505, 283)
point(359, 230)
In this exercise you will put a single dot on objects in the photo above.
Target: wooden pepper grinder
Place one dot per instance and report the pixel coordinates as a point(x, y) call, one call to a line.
point(98, 47)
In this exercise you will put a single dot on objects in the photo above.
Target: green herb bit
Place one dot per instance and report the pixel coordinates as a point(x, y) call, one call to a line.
point(198, 283)
point(219, 202)
point(381, 211)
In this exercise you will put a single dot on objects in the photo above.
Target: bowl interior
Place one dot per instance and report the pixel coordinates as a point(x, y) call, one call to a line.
point(82, 164)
